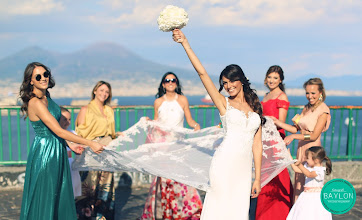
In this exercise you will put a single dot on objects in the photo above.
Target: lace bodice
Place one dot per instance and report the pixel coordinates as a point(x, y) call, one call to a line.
point(171, 114)
point(238, 121)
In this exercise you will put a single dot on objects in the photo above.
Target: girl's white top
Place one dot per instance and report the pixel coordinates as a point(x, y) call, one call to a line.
point(317, 181)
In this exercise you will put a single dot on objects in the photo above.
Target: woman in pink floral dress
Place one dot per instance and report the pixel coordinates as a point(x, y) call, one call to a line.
point(169, 199)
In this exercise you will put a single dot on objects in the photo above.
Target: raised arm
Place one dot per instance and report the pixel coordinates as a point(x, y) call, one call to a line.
point(217, 98)
point(42, 112)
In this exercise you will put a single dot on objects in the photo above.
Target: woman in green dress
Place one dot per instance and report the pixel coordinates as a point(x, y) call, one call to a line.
point(48, 192)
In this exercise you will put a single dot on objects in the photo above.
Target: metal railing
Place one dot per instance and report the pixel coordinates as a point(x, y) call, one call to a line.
point(342, 141)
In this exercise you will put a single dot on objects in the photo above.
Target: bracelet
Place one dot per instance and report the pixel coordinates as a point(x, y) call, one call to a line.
point(307, 137)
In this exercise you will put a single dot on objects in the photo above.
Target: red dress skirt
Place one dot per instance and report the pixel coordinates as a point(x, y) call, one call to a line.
point(275, 198)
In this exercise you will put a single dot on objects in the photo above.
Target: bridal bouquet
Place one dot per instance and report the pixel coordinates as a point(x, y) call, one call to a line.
point(172, 17)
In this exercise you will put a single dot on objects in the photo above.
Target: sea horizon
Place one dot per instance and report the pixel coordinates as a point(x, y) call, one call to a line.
point(197, 100)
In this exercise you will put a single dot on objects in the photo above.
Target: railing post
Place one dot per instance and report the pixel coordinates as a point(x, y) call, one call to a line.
point(349, 135)
point(117, 115)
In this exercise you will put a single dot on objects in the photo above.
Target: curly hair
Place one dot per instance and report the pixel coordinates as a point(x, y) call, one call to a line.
point(161, 90)
point(233, 72)
point(26, 89)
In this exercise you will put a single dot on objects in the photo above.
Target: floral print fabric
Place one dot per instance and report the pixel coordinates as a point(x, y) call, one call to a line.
point(174, 201)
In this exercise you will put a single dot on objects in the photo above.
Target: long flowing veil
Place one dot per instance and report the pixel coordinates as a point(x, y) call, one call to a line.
point(180, 154)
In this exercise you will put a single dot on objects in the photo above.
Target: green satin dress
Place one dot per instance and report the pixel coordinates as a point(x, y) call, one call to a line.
point(48, 192)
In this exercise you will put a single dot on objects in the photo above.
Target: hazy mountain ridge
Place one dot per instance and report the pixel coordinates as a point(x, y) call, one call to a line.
point(102, 61)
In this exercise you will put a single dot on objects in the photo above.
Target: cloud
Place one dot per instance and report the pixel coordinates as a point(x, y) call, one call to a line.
point(239, 12)
point(29, 7)
point(323, 63)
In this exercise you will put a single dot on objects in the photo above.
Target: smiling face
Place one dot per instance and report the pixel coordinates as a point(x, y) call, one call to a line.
point(232, 87)
point(169, 83)
point(273, 80)
point(101, 93)
point(312, 93)
point(40, 78)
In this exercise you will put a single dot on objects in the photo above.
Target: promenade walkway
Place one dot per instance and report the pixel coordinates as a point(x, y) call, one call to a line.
point(130, 202)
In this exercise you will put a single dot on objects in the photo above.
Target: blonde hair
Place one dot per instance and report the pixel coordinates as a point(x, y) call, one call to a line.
point(99, 84)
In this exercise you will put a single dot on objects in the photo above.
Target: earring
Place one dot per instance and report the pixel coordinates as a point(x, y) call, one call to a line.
point(320, 98)
point(164, 90)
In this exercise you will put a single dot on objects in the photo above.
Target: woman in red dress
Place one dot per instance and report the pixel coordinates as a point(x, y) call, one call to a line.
point(275, 198)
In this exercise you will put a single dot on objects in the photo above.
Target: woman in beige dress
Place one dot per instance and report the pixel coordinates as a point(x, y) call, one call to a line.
point(312, 122)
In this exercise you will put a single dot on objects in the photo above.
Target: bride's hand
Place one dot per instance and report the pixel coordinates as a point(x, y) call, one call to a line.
point(255, 190)
point(178, 36)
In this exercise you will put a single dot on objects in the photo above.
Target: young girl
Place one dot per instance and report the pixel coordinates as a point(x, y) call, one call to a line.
point(308, 205)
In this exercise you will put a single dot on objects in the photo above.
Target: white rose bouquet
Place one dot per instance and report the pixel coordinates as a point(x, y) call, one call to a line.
point(172, 17)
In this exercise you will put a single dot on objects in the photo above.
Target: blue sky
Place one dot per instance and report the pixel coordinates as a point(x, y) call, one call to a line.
point(321, 37)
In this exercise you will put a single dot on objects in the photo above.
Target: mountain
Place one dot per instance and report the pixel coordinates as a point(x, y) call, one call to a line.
point(106, 61)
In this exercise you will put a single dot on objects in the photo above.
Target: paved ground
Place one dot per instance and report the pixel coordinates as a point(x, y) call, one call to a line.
point(130, 202)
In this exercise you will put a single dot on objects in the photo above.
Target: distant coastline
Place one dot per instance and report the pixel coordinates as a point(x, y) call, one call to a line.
point(9, 90)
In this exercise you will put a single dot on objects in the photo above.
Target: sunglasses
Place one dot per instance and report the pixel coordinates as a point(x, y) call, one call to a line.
point(170, 80)
point(46, 74)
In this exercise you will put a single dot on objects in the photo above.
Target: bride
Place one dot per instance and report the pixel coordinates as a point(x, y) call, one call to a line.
point(231, 166)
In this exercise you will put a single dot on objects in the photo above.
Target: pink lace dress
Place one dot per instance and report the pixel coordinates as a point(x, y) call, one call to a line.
point(169, 199)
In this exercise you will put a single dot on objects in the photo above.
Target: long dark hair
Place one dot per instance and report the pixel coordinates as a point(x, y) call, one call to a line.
point(233, 72)
point(99, 84)
point(279, 70)
point(26, 89)
point(162, 91)
point(319, 153)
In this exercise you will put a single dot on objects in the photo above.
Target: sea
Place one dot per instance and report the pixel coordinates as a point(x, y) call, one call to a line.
point(13, 135)
point(196, 100)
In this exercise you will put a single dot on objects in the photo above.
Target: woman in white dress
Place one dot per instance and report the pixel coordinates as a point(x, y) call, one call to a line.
point(169, 199)
point(231, 166)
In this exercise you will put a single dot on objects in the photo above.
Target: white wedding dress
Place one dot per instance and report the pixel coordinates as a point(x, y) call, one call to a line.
point(231, 168)
point(216, 160)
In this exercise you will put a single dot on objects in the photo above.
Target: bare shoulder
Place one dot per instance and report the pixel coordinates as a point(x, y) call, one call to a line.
point(84, 108)
point(283, 96)
point(182, 98)
point(158, 102)
point(35, 102)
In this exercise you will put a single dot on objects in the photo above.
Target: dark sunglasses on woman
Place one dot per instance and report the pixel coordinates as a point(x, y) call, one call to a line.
point(46, 74)
point(170, 80)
